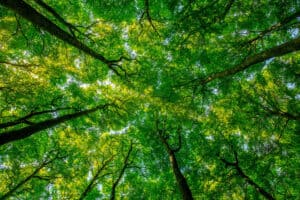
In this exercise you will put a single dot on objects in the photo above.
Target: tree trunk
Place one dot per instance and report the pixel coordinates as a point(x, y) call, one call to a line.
point(29, 13)
point(25, 132)
point(180, 179)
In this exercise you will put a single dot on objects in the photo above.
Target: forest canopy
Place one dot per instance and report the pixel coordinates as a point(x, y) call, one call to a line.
point(149, 99)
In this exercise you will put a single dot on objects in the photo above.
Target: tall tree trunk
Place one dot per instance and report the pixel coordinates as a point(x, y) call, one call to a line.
point(29, 13)
point(25, 132)
point(180, 179)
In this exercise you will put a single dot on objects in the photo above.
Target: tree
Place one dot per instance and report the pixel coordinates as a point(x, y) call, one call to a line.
point(149, 99)
point(34, 128)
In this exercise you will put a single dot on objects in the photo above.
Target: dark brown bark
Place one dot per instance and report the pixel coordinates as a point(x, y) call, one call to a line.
point(180, 179)
point(95, 178)
point(25, 132)
point(288, 47)
point(125, 166)
point(29, 13)
point(242, 174)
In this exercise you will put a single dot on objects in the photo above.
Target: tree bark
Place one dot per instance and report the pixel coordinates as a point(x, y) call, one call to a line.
point(25, 132)
point(288, 47)
point(180, 179)
point(29, 13)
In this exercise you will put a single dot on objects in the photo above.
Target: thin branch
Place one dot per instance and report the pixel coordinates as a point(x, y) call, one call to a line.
point(29, 13)
point(175, 150)
point(32, 175)
point(147, 14)
point(25, 132)
point(28, 116)
point(51, 10)
point(17, 64)
point(277, 26)
point(126, 164)
point(91, 184)
point(281, 113)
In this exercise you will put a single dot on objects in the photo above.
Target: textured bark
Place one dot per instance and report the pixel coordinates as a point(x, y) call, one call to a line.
point(29, 13)
point(25, 132)
point(180, 179)
point(288, 47)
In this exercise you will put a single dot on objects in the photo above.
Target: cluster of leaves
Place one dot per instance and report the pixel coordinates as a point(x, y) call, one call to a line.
point(149, 99)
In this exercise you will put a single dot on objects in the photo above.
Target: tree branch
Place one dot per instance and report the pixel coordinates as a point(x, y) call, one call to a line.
point(17, 64)
point(175, 150)
point(146, 13)
point(95, 178)
point(26, 117)
point(272, 28)
point(32, 175)
point(242, 174)
point(288, 47)
point(125, 166)
point(25, 132)
point(29, 13)
point(180, 179)
point(51, 10)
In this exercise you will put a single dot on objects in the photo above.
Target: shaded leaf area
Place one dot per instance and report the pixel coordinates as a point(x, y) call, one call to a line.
point(149, 99)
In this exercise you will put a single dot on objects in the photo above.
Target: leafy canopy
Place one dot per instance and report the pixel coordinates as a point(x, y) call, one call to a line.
point(149, 99)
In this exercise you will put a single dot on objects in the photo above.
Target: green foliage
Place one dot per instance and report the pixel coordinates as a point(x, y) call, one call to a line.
point(236, 126)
